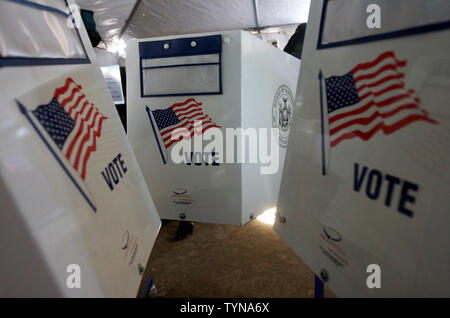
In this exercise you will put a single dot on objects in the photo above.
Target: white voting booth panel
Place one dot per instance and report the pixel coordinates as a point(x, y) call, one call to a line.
point(364, 194)
point(237, 81)
point(76, 216)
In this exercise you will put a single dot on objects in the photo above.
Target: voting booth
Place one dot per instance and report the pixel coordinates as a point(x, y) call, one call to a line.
point(211, 86)
point(77, 219)
point(364, 194)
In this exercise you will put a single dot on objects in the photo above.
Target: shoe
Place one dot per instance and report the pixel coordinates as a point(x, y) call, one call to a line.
point(184, 229)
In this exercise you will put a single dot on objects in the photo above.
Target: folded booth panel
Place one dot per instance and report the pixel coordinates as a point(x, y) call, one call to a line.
point(203, 77)
point(364, 195)
point(74, 200)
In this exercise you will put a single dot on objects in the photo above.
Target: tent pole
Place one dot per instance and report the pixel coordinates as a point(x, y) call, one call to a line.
point(127, 22)
point(255, 8)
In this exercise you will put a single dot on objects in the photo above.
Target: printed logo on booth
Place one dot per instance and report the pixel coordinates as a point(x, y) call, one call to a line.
point(282, 109)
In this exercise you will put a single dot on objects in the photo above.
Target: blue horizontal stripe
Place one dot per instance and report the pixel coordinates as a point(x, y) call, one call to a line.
point(181, 47)
point(180, 65)
point(39, 6)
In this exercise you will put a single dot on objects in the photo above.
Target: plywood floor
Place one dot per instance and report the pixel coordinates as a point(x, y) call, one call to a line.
point(228, 261)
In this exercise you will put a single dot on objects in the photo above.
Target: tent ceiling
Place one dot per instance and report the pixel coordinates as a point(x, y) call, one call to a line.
point(159, 18)
point(109, 15)
point(153, 18)
point(276, 12)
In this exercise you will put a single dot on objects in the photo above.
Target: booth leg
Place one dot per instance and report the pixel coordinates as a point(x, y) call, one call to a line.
point(318, 287)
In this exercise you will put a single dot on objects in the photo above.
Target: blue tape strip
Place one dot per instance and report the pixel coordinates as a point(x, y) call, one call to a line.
point(30, 61)
point(186, 94)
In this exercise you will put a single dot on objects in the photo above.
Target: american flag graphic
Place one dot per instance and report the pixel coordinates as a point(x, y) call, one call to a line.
point(369, 98)
point(187, 114)
point(73, 123)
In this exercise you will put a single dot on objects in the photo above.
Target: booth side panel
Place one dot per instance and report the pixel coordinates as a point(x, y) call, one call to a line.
point(341, 150)
point(64, 216)
point(198, 190)
point(269, 79)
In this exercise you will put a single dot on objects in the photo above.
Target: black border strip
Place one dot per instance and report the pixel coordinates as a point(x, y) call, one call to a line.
point(143, 56)
point(377, 37)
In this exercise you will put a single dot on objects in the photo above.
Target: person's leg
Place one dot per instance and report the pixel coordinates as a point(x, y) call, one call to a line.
point(184, 229)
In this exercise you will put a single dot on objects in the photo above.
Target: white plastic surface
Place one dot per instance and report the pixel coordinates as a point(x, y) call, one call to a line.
point(32, 33)
point(180, 72)
point(113, 80)
point(181, 60)
point(378, 196)
point(341, 26)
point(46, 222)
point(282, 12)
point(230, 193)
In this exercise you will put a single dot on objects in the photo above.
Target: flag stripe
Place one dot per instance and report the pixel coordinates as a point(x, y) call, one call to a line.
point(81, 110)
point(383, 56)
point(192, 134)
point(371, 118)
point(75, 105)
point(192, 116)
point(85, 137)
point(370, 104)
point(381, 81)
point(384, 68)
point(68, 99)
point(387, 130)
point(384, 90)
point(188, 112)
point(184, 123)
point(185, 109)
point(78, 133)
point(93, 147)
point(186, 102)
point(190, 127)
point(62, 90)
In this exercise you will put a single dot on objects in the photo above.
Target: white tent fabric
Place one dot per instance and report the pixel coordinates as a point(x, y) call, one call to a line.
point(282, 12)
point(160, 18)
point(109, 15)
point(153, 18)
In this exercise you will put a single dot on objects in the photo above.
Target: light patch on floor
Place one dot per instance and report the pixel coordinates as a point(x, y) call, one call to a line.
point(268, 217)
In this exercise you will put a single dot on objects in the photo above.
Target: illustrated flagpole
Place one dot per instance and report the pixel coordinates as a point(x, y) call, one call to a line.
point(24, 111)
point(324, 172)
point(156, 135)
